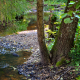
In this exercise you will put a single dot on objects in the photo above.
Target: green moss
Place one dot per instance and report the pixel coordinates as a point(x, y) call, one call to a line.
point(59, 63)
point(78, 78)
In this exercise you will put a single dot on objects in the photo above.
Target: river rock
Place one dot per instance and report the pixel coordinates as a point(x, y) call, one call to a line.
point(14, 54)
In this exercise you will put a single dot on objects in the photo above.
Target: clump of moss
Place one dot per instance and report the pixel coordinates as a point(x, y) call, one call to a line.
point(62, 61)
point(78, 78)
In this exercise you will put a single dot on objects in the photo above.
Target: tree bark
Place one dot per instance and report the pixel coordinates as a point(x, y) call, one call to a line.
point(65, 38)
point(40, 32)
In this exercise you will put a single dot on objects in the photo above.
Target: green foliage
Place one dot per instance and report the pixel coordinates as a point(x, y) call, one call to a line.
point(56, 1)
point(54, 17)
point(10, 8)
point(21, 25)
point(49, 45)
point(62, 1)
point(78, 78)
point(16, 26)
point(72, 2)
point(51, 32)
point(50, 4)
point(67, 20)
point(59, 63)
point(63, 15)
point(78, 5)
point(75, 52)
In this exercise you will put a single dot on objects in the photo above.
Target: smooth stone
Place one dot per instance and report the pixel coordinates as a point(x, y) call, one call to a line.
point(14, 54)
point(19, 72)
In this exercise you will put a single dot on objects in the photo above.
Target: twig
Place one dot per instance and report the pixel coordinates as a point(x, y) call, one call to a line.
point(64, 73)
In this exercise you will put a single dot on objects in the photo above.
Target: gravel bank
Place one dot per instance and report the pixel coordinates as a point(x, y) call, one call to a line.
point(25, 40)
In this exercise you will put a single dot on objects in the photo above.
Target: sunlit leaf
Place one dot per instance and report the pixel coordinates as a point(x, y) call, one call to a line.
point(64, 15)
point(56, 22)
point(78, 5)
point(78, 16)
point(77, 64)
point(78, 78)
point(72, 2)
point(67, 20)
point(63, 5)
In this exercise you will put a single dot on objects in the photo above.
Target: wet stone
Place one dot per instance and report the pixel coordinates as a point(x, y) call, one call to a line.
point(19, 72)
point(14, 54)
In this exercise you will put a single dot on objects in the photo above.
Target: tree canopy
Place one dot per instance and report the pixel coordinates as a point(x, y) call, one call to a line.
point(10, 8)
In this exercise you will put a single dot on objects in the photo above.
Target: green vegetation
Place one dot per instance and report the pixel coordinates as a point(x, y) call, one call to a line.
point(61, 62)
point(52, 2)
point(78, 78)
point(75, 51)
point(49, 46)
point(10, 9)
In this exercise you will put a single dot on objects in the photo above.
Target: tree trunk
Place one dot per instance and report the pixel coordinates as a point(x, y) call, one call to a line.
point(40, 30)
point(65, 38)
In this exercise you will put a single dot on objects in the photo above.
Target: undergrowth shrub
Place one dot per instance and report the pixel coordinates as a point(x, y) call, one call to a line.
point(75, 53)
point(50, 44)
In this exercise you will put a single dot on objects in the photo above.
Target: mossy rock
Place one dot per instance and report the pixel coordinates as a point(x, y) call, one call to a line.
point(61, 62)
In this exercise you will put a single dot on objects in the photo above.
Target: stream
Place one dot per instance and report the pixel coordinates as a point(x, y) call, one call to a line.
point(9, 60)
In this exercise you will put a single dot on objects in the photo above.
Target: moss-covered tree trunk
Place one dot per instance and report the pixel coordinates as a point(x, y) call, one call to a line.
point(65, 38)
point(40, 30)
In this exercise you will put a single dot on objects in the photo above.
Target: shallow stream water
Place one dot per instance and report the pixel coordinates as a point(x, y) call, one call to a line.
point(9, 60)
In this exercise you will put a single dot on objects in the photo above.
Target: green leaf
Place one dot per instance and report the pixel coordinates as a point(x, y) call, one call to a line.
point(63, 15)
point(78, 16)
point(78, 5)
point(63, 5)
point(67, 20)
point(72, 2)
point(70, 13)
point(77, 64)
point(78, 78)
point(70, 5)
point(77, 11)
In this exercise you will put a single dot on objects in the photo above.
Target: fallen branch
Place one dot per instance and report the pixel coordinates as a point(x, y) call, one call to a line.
point(64, 73)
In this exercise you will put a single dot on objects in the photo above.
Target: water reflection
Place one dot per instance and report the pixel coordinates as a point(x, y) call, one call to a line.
point(9, 62)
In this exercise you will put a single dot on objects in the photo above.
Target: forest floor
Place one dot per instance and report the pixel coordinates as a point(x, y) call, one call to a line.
point(33, 69)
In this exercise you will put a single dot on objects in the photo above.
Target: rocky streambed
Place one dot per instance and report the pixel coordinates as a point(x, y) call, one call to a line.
point(32, 69)
point(25, 40)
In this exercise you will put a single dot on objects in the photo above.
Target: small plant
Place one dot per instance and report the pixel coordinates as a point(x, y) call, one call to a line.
point(49, 46)
point(75, 52)
point(78, 78)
